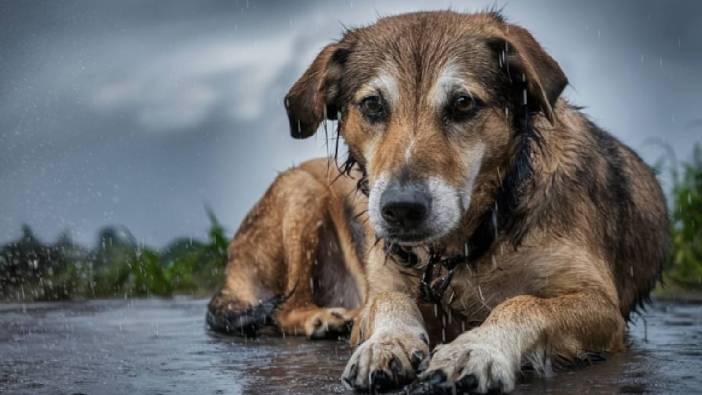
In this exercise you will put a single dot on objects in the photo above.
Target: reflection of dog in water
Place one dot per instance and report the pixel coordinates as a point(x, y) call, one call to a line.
point(533, 231)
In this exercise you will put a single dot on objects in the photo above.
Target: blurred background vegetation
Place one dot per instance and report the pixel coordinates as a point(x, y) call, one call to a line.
point(685, 201)
point(119, 266)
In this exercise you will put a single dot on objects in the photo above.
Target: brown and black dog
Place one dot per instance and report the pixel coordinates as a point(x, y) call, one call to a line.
point(533, 232)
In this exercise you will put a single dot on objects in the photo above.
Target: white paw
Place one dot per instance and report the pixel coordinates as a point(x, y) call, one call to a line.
point(474, 362)
point(386, 360)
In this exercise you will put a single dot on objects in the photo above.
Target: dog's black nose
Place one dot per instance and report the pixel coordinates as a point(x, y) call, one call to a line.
point(404, 208)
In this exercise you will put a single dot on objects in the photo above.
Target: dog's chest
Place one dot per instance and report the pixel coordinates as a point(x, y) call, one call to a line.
point(476, 289)
point(473, 289)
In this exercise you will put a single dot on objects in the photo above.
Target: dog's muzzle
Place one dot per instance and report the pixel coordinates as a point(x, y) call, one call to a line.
point(405, 210)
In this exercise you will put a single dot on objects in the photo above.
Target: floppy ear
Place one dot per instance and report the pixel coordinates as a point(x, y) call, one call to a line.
point(528, 63)
point(315, 95)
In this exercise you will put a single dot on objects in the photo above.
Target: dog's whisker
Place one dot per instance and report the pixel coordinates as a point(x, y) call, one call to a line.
point(363, 212)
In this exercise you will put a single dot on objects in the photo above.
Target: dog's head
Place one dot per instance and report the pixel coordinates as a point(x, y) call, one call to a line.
point(428, 103)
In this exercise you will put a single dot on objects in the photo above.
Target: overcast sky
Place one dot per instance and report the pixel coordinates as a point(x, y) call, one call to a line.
point(140, 113)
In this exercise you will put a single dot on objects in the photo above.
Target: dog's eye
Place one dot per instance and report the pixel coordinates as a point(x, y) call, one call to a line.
point(462, 104)
point(462, 107)
point(373, 108)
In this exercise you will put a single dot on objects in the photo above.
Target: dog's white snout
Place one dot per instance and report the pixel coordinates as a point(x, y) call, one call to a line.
point(415, 212)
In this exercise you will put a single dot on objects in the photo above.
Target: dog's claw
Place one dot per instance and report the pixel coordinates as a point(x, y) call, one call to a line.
point(416, 359)
point(353, 371)
point(436, 377)
point(380, 381)
point(424, 339)
point(396, 367)
point(467, 383)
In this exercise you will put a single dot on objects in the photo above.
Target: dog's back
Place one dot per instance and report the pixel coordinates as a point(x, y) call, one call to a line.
point(630, 221)
point(589, 184)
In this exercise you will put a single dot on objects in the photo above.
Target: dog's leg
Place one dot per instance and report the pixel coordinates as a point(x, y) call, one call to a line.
point(525, 328)
point(301, 236)
point(390, 330)
point(248, 298)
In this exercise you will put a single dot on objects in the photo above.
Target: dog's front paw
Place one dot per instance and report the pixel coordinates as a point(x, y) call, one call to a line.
point(386, 360)
point(474, 362)
point(329, 322)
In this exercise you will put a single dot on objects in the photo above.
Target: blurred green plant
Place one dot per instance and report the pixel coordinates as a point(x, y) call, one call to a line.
point(118, 266)
point(685, 266)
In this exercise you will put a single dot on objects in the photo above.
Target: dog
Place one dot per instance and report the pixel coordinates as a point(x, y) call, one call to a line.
point(499, 222)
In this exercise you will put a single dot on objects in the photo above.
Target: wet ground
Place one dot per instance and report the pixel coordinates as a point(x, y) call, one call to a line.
point(158, 346)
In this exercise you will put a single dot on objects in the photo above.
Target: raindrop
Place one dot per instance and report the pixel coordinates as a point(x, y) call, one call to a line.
point(480, 292)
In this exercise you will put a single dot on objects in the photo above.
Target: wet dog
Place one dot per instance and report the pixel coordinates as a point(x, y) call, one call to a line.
point(532, 232)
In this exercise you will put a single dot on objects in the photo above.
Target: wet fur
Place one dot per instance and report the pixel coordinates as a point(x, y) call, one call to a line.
point(578, 242)
point(294, 261)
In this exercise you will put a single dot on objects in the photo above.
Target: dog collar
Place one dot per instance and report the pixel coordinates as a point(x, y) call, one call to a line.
point(433, 284)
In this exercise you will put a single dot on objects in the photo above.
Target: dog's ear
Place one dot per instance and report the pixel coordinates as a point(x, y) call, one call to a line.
point(528, 64)
point(315, 95)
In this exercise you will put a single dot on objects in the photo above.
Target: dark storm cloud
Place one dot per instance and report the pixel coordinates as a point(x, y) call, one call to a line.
point(139, 113)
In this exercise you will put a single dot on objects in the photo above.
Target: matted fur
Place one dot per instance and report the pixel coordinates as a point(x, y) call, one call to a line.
point(570, 224)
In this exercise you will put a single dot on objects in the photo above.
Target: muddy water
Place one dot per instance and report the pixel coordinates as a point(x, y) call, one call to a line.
point(162, 347)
